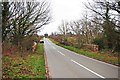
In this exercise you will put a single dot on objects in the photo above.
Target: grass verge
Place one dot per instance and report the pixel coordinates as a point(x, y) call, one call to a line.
point(96, 55)
point(31, 65)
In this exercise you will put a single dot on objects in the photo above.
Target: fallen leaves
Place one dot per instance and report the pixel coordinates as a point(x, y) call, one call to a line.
point(29, 67)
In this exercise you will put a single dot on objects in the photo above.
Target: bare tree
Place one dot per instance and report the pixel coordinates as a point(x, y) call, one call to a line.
point(0, 23)
point(25, 18)
point(115, 5)
point(5, 14)
point(64, 29)
point(110, 23)
point(76, 26)
point(77, 29)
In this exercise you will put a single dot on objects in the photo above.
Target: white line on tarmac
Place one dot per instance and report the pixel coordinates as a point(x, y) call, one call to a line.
point(61, 53)
point(88, 69)
point(96, 60)
point(54, 48)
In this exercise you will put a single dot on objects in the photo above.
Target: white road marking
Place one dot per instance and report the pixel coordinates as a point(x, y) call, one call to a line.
point(80, 64)
point(54, 48)
point(89, 58)
point(61, 53)
point(95, 60)
point(48, 42)
point(88, 69)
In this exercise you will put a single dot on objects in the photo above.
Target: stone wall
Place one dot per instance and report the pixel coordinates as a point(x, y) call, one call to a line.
point(91, 47)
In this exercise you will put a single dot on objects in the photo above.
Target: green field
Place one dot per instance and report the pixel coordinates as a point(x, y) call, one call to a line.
point(31, 65)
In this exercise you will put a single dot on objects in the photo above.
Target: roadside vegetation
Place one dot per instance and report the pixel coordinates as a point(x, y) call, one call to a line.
point(21, 48)
point(105, 57)
point(96, 34)
point(31, 65)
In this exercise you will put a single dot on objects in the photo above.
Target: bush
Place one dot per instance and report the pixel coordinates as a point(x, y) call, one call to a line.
point(27, 42)
point(98, 41)
point(8, 48)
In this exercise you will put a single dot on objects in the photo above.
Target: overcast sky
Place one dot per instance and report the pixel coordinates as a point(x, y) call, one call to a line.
point(64, 10)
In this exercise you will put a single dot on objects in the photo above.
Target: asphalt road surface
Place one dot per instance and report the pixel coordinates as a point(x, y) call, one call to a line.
point(63, 63)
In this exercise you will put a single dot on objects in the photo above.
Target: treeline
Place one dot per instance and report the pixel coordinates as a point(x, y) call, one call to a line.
point(101, 26)
point(22, 20)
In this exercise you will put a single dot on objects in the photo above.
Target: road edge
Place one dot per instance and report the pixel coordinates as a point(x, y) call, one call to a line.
point(108, 63)
point(47, 72)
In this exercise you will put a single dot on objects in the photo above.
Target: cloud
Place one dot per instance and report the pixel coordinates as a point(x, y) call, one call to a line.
point(64, 10)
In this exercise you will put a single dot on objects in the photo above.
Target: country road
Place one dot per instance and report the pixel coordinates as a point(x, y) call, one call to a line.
point(63, 63)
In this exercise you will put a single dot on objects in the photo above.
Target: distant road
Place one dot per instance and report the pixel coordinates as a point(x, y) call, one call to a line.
point(63, 63)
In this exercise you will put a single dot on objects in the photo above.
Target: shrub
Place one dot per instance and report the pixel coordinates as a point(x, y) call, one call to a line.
point(27, 42)
point(98, 41)
point(8, 48)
